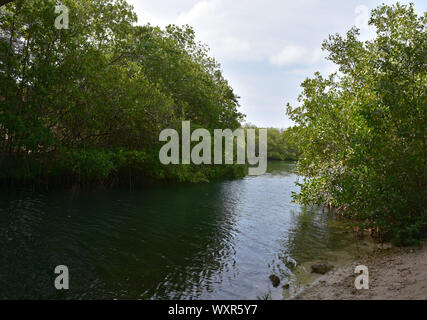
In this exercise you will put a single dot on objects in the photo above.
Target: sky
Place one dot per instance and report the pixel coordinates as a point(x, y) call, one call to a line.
point(266, 47)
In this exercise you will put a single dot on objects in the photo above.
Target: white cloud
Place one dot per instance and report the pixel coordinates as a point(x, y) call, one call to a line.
point(296, 55)
point(213, 26)
point(199, 13)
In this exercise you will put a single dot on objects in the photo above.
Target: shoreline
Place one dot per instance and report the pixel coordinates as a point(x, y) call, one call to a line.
point(394, 274)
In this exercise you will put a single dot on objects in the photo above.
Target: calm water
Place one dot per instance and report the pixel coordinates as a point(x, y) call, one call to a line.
point(211, 241)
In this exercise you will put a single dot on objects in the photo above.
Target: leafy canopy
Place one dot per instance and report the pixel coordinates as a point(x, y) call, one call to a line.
point(89, 102)
point(362, 130)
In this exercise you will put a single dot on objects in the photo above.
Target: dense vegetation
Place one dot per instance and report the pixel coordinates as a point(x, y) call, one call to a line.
point(88, 103)
point(362, 131)
point(282, 143)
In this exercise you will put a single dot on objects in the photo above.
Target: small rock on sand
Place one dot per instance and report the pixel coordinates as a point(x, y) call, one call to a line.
point(275, 280)
point(321, 267)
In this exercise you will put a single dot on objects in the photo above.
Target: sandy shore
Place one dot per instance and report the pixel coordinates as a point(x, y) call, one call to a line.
point(393, 274)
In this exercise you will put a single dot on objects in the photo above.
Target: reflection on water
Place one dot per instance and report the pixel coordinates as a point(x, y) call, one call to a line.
point(210, 241)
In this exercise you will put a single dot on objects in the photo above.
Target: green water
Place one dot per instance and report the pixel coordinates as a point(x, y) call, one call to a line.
point(210, 241)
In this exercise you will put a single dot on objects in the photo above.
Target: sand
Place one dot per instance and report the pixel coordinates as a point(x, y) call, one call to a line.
point(399, 274)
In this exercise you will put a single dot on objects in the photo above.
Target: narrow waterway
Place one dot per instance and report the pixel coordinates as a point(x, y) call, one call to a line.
point(210, 241)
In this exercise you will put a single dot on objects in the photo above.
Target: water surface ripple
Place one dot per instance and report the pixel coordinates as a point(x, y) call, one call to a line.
point(210, 241)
